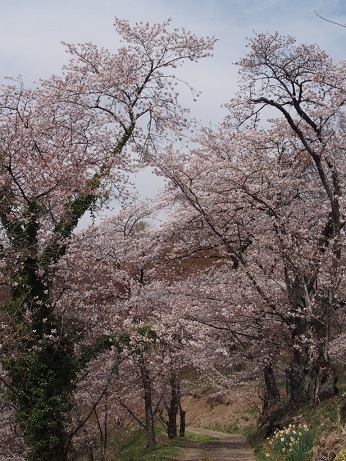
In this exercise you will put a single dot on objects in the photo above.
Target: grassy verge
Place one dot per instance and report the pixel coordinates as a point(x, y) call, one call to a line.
point(167, 450)
point(322, 420)
point(135, 449)
point(198, 437)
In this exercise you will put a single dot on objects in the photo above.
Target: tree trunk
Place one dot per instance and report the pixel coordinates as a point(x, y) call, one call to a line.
point(41, 385)
point(173, 407)
point(309, 378)
point(182, 415)
point(271, 394)
point(310, 375)
point(148, 405)
point(42, 369)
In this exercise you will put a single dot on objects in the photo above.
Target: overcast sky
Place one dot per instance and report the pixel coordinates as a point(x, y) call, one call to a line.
point(31, 32)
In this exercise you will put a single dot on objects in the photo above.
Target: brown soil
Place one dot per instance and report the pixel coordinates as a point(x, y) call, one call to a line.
point(226, 447)
point(209, 415)
point(231, 413)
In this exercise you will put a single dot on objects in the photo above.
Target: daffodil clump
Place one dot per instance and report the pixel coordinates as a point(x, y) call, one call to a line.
point(292, 443)
point(341, 456)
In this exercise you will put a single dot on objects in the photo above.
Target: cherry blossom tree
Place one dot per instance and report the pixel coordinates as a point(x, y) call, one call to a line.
point(65, 148)
point(264, 199)
point(307, 89)
point(127, 292)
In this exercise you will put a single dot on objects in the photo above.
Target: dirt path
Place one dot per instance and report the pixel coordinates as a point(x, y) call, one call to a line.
point(227, 447)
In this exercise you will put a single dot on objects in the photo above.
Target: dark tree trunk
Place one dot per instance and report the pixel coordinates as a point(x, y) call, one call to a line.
point(182, 415)
point(148, 405)
point(309, 378)
point(41, 385)
point(42, 370)
point(271, 395)
point(310, 375)
point(173, 407)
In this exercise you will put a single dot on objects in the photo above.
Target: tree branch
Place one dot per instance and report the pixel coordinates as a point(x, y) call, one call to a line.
point(328, 20)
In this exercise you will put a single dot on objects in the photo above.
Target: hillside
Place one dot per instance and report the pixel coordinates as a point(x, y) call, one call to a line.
point(237, 414)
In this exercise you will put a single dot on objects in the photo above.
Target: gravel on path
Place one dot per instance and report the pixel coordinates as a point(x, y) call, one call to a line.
point(226, 447)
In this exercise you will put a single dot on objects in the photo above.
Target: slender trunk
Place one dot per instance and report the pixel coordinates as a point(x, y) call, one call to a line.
point(88, 447)
point(105, 429)
point(182, 415)
point(173, 407)
point(148, 405)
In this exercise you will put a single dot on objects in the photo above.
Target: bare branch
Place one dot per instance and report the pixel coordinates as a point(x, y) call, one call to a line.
point(328, 20)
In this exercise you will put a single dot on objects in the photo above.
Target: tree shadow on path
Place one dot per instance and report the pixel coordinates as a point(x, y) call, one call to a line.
point(226, 447)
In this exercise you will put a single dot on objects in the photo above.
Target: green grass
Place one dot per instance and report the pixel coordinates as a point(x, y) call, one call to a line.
point(322, 418)
point(251, 411)
point(260, 453)
point(292, 443)
point(198, 437)
point(229, 428)
point(135, 448)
